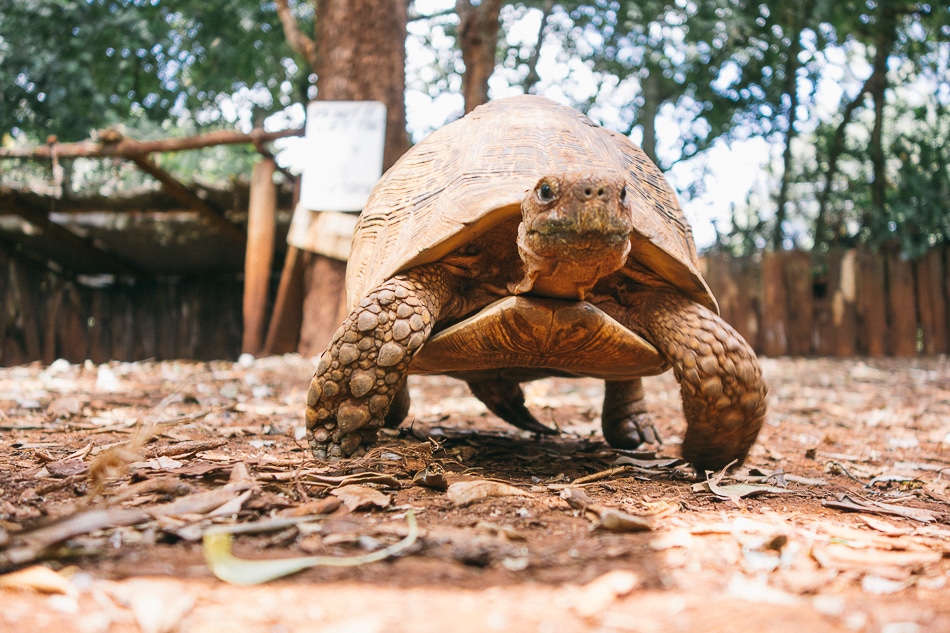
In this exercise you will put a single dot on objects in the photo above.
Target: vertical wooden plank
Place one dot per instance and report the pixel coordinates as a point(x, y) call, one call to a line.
point(797, 276)
point(774, 301)
point(901, 307)
point(261, 227)
point(324, 308)
point(31, 324)
point(871, 304)
point(843, 311)
point(283, 333)
point(931, 303)
point(72, 333)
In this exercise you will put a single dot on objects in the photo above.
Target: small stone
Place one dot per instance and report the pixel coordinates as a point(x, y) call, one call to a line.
point(367, 321)
point(416, 322)
point(404, 311)
point(390, 354)
point(330, 389)
point(348, 353)
point(350, 418)
point(361, 382)
point(401, 329)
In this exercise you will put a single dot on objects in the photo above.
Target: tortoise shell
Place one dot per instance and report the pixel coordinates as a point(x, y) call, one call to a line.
point(472, 174)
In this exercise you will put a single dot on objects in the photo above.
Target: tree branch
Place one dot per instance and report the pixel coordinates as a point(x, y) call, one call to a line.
point(300, 43)
point(129, 148)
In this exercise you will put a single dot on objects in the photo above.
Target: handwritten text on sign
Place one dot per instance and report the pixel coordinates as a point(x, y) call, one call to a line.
point(344, 159)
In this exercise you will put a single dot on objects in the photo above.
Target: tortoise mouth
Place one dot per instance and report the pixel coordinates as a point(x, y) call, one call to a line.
point(553, 238)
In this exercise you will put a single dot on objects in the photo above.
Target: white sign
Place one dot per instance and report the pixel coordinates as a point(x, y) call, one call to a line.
point(344, 154)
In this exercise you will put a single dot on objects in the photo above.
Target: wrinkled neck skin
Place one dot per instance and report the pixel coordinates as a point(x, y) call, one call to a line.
point(575, 230)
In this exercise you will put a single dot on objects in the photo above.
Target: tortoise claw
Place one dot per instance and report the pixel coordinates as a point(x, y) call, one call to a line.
point(505, 399)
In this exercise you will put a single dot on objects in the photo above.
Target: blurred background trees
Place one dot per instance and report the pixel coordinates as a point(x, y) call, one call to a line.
point(808, 124)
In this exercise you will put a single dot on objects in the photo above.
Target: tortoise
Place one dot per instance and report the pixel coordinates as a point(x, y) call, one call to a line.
point(524, 241)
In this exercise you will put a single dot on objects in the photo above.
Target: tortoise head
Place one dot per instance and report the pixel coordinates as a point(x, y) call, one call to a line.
point(575, 230)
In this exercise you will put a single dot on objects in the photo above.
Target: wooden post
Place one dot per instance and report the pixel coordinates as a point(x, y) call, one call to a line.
point(931, 304)
point(902, 307)
point(283, 333)
point(871, 304)
point(261, 226)
point(800, 289)
point(774, 299)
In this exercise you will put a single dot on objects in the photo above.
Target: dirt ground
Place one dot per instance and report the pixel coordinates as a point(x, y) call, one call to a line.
point(110, 476)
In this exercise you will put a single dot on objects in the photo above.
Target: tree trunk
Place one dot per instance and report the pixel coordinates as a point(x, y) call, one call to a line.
point(652, 97)
point(360, 56)
point(479, 26)
point(790, 89)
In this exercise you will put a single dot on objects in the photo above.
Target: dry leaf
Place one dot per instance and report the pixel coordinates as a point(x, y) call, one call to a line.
point(158, 607)
point(462, 493)
point(619, 521)
point(38, 578)
point(884, 562)
point(598, 594)
point(852, 504)
point(361, 497)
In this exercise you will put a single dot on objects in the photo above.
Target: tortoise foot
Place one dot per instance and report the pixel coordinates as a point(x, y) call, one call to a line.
point(625, 421)
point(505, 398)
point(720, 381)
point(363, 372)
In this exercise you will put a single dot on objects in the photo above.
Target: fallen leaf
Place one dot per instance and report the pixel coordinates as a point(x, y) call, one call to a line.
point(432, 476)
point(852, 504)
point(216, 545)
point(887, 528)
point(38, 578)
point(462, 493)
point(361, 497)
point(598, 594)
point(158, 607)
point(888, 563)
point(616, 520)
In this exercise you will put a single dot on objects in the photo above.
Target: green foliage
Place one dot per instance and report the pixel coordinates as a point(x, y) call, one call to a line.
point(70, 66)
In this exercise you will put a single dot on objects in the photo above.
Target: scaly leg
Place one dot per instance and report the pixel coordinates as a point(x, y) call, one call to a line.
point(624, 418)
point(720, 380)
point(505, 398)
point(365, 367)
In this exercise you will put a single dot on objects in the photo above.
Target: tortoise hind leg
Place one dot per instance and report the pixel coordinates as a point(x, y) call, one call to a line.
point(624, 418)
point(720, 381)
point(505, 398)
point(361, 376)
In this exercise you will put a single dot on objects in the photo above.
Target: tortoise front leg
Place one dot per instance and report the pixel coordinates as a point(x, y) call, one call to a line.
point(720, 380)
point(365, 367)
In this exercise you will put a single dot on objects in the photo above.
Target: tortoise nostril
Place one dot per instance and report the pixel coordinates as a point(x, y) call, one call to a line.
point(588, 192)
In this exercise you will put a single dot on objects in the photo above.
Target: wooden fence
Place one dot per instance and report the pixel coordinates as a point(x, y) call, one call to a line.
point(45, 317)
point(845, 303)
point(842, 303)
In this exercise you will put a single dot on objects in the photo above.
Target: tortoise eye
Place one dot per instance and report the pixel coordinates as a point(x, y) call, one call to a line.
point(545, 193)
point(623, 194)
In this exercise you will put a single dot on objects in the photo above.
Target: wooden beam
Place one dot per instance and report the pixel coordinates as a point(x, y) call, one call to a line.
point(283, 333)
point(261, 228)
point(73, 245)
point(187, 197)
point(115, 146)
